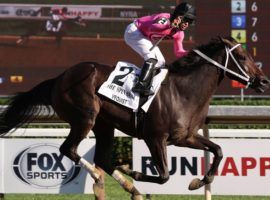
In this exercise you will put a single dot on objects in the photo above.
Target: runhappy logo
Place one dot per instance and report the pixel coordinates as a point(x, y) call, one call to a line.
point(43, 166)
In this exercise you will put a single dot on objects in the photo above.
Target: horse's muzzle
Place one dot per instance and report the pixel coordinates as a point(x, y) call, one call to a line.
point(260, 85)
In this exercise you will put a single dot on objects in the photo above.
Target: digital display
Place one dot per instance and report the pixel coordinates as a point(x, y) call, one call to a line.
point(247, 21)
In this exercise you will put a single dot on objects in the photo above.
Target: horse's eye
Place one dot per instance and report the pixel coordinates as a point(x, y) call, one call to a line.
point(242, 57)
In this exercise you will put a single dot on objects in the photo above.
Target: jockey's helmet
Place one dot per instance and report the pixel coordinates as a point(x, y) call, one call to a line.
point(64, 10)
point(184, 9)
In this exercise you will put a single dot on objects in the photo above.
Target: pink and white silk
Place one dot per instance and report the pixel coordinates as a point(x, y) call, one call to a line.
point(143, 32)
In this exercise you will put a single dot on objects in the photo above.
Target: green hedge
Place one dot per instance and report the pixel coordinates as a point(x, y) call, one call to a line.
point(215, 101)
point(122, 153)
point(237, 101)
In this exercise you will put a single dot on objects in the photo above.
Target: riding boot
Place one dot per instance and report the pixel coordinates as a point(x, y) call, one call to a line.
point(143, 86)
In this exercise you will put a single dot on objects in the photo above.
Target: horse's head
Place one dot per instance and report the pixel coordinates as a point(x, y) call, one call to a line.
point(246, 71)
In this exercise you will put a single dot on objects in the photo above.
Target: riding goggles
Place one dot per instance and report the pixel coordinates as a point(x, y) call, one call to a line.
point(186, 20)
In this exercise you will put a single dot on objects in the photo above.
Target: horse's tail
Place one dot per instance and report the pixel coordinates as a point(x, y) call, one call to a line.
point(23, 106)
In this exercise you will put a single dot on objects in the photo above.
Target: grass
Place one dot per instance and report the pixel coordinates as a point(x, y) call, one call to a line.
point(115, 192)
point(154, 197)
point(237, 101)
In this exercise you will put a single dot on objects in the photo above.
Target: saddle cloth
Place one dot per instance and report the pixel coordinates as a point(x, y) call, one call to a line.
point(121, 81)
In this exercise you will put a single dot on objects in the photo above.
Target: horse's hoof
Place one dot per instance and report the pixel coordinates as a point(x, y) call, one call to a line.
point(137, 197)
point(195, 184)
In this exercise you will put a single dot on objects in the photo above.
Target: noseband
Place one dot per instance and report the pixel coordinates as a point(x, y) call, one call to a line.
point(225, 68)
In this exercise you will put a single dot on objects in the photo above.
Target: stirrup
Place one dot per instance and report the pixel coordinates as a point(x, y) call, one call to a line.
point(140, 88)
point(148, 92)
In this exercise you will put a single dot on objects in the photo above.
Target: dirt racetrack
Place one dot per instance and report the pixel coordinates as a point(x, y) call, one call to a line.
point(23, 66)
point(42, 58)
point(45, 52)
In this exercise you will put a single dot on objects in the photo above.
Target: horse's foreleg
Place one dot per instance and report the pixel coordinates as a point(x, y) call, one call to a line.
point(197, 141)
point(159, 156)
point(103, 154)
point(138, 176)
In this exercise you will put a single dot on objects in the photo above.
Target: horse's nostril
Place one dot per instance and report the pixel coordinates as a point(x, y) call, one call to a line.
point(260, 90)
point(265, 82)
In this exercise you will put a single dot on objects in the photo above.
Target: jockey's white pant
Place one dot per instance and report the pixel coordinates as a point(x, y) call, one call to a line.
point(142, 45)
point(53, 26)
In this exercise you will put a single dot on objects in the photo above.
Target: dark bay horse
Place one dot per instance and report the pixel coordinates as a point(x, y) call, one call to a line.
point(176, 114)
point(39, 27)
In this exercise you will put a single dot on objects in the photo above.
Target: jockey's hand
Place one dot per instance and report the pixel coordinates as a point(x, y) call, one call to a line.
point(176, 22)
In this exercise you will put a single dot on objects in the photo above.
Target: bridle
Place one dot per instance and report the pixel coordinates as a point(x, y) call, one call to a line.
point(244, 76)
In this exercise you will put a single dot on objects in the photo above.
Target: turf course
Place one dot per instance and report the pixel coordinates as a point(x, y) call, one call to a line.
point(114, 192)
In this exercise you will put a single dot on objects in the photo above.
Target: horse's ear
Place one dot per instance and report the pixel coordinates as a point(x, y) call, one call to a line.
point(220, 38)
point(226, 41)
point(223, 40)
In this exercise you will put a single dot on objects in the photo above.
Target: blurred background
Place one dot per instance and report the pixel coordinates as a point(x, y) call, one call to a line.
point(29, 53)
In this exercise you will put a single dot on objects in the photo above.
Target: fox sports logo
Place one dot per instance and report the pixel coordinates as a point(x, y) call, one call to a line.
point(43, 166)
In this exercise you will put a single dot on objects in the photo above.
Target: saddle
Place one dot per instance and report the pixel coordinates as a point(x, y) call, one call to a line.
point(119, 84)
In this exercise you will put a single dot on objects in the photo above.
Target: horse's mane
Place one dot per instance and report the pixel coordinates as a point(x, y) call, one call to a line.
point(192, 60)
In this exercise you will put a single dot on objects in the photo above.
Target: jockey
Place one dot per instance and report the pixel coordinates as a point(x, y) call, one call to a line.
point(143, 32)
point(55, 23)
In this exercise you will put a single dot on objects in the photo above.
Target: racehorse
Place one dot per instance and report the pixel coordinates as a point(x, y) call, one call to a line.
point(177, 112)
point(40, 28)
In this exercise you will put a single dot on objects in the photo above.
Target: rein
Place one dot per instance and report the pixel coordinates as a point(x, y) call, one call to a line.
point(225, 68)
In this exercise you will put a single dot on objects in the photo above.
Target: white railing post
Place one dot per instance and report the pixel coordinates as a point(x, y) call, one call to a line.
point(207, 188)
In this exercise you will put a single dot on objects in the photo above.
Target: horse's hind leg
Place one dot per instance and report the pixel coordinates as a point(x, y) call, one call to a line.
point(104, 144)
point(81, 119)
point(69, 148)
